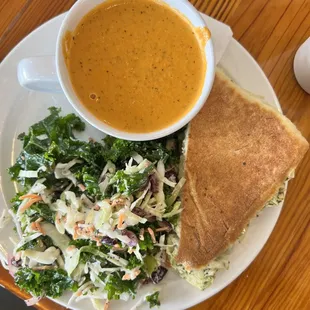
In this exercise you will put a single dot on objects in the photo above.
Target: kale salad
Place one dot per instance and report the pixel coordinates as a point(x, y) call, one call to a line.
point(92, 217)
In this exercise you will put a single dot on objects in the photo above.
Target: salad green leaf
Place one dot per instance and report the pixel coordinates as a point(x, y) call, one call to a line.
point(50, 283)
point(118, 150)
point(37, 243)
point(115, 286)
point(147, 243)
point(101, 204)
point(133, 262)
point(41, 210)
point(53, 130)
point(153, 300)
point(89, 256)
point(130, 183)
point(15, 201)
point(51, 141)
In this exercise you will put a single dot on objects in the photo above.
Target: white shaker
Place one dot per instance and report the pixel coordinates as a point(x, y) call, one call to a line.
point(302, 65)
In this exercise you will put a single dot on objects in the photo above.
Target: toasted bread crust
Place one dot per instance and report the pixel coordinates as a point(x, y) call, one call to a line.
point(239, 152)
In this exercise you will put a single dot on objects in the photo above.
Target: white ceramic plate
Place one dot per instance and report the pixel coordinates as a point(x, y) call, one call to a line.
point(21, 108)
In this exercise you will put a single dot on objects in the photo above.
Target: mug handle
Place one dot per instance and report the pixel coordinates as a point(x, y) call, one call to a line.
point(39, 74)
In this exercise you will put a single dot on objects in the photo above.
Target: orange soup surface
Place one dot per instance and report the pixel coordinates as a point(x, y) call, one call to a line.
point(137, 65)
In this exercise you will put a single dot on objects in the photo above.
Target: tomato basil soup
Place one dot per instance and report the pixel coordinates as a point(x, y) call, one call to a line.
point(136, 65)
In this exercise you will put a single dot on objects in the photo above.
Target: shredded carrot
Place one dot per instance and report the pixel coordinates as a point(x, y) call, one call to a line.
point(162, 229)
point(37, 227)
point(40, 229)
point(98, 241)
point(151, 232)
point(28, 196)
point(141, 234)
point(29, 204)
point(137, 272)
point(106, 305)
point(78, 293)
point(126, 277)
point(71, 248)
point(118, 249)
point(75, 233)
point(121, 219)
point(82, 187)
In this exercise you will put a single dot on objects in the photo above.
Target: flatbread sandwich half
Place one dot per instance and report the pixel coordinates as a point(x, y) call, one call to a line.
point(238, 154)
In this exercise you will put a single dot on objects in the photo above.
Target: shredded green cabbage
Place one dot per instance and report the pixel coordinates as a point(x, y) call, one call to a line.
point(91, 213)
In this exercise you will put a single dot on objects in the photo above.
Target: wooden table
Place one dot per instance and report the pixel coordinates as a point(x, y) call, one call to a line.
point(271, 30)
